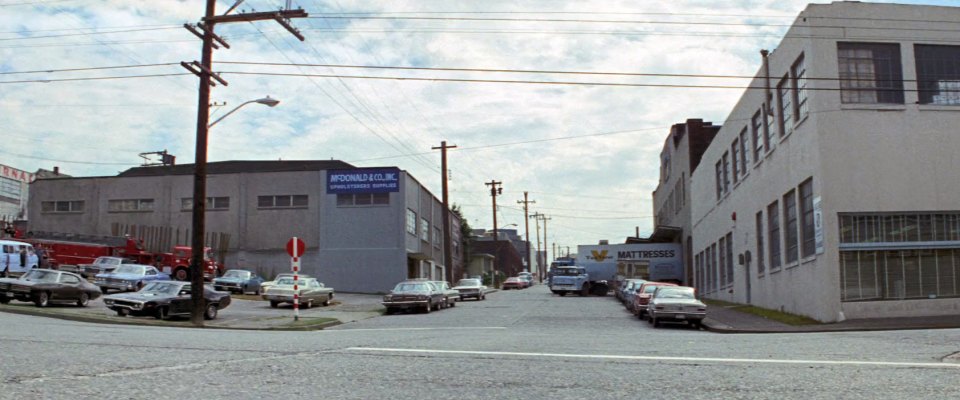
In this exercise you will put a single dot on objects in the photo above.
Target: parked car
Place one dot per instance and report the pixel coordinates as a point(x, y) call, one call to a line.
point(101, 265)
point(513, 282)
point(527, 279)
point(165, 299)
point(45, 286)
point(413, 294)
point(267, 284)
point(625, 285)
point(311, 292)
point(642, 298)
point(450, 296)
point(631, 292)
point(471, 288)
point(676, 304)
point(129, 277)
point(239, 280)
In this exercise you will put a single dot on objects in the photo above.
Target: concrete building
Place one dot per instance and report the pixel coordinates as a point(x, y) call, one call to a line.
point(832, 189)
point(365, 228)
point(680, 156)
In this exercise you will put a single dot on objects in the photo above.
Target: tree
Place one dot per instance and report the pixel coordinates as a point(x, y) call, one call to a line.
point(465, 232)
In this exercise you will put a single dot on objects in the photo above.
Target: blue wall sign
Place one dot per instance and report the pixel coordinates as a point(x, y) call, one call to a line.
point(363, 180)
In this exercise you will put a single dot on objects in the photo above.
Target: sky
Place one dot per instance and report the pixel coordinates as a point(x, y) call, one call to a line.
point(87, 85)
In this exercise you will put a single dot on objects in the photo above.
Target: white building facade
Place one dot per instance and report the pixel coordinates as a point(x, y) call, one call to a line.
point(832, 190)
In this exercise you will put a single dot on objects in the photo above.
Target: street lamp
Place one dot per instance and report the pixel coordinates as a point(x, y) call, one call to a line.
point(197, 244)
point(267, 101)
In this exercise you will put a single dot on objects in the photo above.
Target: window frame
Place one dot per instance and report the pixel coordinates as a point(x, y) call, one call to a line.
point(928, 86)
point(773, 235)
point(883, 91)
point(791, 239)
point(807, 229)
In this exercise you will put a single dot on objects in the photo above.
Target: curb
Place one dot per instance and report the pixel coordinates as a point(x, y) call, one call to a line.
point(129, 321)
point(719, 327)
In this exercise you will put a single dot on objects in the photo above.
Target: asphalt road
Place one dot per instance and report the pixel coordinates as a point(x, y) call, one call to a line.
point(515, 344)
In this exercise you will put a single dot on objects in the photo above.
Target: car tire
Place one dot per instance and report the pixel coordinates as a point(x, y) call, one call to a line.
point(181, 274)
point(655, 322)
point(43, 299)
point(274, 304)
point(162, 313)
point(428, 308)
point(650, 319)
point(326, 302)
point(453, 303)
point(139, 286)
point(4, 300)
point(256, 292)
point(210, 313)
point(308, 304)
point(461, 298)
point(84, 299)
point(562, 293)
point(389, 311)
point(122, 312)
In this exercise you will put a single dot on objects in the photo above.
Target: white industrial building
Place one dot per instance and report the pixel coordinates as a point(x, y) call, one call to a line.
point(833, 188)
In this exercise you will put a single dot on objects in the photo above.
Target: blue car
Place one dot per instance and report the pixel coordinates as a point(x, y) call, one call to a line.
point(239, 280)
point(129, 277)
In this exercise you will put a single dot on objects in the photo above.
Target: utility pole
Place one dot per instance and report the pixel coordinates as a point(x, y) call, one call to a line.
point(526, 222)
point(204, 69)
point(540, 266)
point(494, 191)
point(546, 257)
point(447, 245)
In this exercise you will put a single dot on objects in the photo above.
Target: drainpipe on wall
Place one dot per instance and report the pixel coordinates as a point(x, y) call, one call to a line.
point(768, 97)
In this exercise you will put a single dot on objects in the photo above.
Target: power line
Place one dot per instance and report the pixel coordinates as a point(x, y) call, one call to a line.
point(67, 161)
point(86, 68)
point(89, 33)
point(101, 78)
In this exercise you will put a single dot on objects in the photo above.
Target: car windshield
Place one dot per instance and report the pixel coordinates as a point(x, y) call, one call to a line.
point(411, 287)
point(130, 269)
point(289, 281)
point(650, 288)
point(567, 272)
point(468, 282)
point(233, 273)
point(40, 276)
point(676, 294)
point(164, 288)
point(106, 261)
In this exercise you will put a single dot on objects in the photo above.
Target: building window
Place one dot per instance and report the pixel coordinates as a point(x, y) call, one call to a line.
point(729, 258)
point(773, 234)
point(713, 266)
point(719, 180)
point(759, 137)
point(75, 206)
point(723, 262)
point(808, 242)
point(213, 203)
point(798, 80)
point(790, 226)
point(437, 236)
point(938, 74)
point(744, 155)
point(411, 222)
point(363, 199)
point(10, 190)
point(130, 205)
point(726, 173)
point(735, 151)
point(424, 230)
point(899, 256)
point(786, 109)
point(284, 201)
point(760, 250)
point(870, 73)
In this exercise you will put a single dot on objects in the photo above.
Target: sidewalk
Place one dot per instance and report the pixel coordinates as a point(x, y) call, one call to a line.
point(727, 319)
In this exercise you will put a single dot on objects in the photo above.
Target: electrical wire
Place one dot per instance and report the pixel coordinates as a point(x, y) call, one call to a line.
point(39, 71)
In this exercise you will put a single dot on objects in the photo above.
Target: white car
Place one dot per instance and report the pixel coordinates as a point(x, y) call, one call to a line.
point(471, 288)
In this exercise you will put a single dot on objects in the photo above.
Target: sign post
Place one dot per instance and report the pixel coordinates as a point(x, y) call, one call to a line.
point(295, 248)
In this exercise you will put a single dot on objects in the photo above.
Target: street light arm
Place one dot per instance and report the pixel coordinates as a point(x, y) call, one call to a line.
point(265, 101)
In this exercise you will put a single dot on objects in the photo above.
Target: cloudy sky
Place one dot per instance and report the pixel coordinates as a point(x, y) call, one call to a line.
point(586, 153)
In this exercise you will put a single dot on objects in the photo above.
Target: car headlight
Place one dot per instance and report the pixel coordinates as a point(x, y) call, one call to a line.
point(387, 298)
point(108, 302)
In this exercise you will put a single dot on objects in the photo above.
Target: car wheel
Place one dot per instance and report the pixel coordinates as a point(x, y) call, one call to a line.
point(453, 302)
point(562, 294)
point(274, 304)
point(655, 322)
point(484, 297)
point(461, 298)
point(122, 312)
point(4, 299)
point(139, 286)
point(104, 290)
point(309, 304)
point(256, 292)
point(83, 300)
point(161, 313)
point(181, 274)
point(326, 302)
point(43, 299)
point(389, 311)
point(428, 308)
point(650, 319)
point(211, 312)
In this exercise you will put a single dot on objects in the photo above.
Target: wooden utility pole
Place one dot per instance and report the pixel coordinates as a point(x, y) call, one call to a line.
point(204, 69)
point(526, 221)
point(447, 245)
point(536, 220)
point(494, 191)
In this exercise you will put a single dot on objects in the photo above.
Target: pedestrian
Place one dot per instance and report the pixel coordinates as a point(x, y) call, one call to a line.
point(42, 257)
point(23, 256)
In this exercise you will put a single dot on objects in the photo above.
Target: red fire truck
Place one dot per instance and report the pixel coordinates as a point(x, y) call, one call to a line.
point(72, 252)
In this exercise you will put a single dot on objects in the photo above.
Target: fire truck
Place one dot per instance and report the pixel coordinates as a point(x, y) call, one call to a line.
point(72, 252)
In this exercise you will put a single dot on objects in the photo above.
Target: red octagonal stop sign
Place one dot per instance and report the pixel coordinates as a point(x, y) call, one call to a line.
point(296, 247)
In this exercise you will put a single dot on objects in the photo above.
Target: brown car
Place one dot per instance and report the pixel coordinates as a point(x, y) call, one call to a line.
point(513, 283)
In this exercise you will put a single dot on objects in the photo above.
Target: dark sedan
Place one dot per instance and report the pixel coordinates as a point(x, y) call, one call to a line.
point(413, 294)
point(45, 286)
point(165, 299)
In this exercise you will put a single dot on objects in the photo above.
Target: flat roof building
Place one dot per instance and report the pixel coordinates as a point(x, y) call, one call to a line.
point(832, 189)
point(365, 228)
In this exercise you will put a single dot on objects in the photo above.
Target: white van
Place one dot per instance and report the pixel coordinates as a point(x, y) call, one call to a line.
point(16, 257)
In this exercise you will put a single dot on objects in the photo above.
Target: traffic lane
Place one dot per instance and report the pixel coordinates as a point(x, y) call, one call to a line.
point(363, 374)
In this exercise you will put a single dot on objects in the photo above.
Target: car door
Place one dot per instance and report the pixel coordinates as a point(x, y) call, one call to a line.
point(180, 304)
point(151, 274)
point(68, 288)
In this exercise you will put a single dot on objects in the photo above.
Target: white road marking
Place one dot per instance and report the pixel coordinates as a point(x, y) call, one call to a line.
point(664, 358)
point(415, 329)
